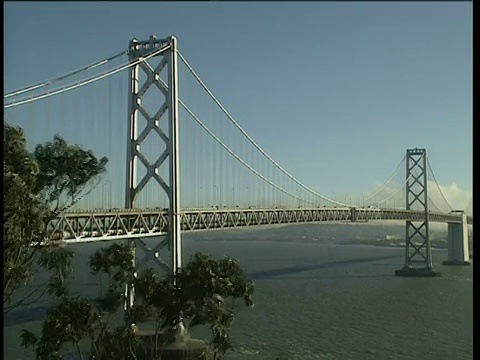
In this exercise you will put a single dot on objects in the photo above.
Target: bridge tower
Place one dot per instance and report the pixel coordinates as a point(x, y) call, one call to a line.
point(137, 133)
point(418, 255)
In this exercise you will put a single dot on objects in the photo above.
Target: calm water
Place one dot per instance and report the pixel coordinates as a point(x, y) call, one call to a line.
point(318, 299)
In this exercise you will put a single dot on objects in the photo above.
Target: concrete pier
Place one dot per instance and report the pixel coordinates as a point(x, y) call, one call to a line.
point(417, 272)
point(165, 346)
point(458, 249)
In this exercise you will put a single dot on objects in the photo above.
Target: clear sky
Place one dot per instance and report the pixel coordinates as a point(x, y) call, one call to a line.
point(336, 92)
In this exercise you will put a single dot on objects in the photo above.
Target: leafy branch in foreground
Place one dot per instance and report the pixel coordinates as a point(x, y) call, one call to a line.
point(53, 176)
point(204, 292)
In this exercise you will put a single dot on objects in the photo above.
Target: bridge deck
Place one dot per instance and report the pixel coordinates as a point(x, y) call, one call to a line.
point(101, 225)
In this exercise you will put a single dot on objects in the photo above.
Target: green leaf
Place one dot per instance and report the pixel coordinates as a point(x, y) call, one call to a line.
point(28, 338)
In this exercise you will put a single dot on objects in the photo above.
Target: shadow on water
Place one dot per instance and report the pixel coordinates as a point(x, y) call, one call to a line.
point(267, 274)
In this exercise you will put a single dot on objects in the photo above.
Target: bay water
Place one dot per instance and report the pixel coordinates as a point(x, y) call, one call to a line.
point(322, 291)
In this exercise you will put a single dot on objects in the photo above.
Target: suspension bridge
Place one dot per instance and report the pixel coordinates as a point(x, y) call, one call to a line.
point(191, 166)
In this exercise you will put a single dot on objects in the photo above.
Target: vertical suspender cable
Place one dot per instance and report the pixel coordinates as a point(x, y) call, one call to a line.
point(222, 168)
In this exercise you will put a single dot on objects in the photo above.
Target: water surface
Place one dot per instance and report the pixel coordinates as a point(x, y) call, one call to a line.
point(318, 299)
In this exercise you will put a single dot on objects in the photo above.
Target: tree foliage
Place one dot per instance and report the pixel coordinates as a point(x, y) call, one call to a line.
point(23, 212)
point(36, 188)
point(204, 292)
point(65, 171)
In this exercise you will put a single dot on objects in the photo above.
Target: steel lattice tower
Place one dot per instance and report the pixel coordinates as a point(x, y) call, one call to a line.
point(417, 235)
point(167, 51)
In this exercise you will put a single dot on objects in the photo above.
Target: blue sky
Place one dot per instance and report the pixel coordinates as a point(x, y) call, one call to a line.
point(336, 92)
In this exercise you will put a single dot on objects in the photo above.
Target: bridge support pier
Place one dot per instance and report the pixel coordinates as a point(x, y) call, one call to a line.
point(353, 214)
point(165, 346)
point(458, 250)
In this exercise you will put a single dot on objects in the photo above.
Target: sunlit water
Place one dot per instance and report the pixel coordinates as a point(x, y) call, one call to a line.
point(318, 299)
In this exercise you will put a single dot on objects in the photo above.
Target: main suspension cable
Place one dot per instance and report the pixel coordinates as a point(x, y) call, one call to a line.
point(63, 77)
point(85, 82)
point(251, 139)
